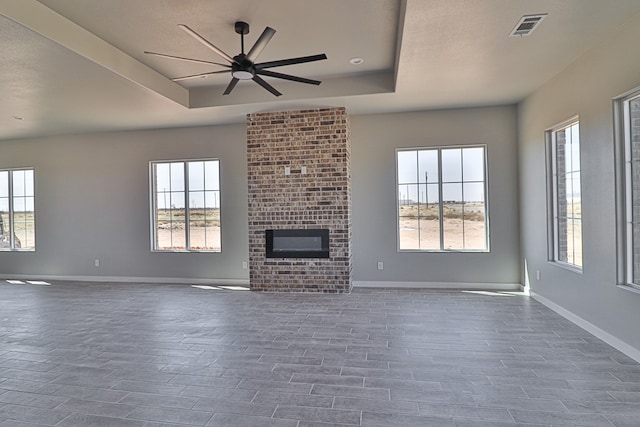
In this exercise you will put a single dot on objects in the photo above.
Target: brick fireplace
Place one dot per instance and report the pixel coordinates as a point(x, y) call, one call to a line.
point(299, 179)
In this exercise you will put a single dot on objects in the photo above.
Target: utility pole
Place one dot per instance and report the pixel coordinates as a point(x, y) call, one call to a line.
point(426, 187)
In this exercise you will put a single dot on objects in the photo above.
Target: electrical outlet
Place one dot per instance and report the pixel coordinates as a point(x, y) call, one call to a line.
point(380, 265)
point(287, 170)
point(538, 274)
point(303, 170)
point(244, 265)
point(96, 263)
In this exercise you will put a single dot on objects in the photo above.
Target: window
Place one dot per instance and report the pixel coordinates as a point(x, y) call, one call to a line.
point(566, 194)
point(629, 138)
point(442, 199)
point(186, 205)
point(17, 215)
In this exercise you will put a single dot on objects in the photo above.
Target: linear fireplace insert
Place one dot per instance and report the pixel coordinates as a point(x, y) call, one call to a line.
point(297, 243)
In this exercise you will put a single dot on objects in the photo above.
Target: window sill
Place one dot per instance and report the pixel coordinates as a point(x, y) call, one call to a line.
point(439, 251)
point(566, 266)
point(178, 251)
point(631, 288)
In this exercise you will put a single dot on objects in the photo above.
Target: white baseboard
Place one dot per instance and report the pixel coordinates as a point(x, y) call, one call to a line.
point(121, 279)
point(614, 342)
point(439, 285)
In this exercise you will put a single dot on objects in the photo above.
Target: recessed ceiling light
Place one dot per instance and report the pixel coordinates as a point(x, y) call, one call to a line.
point(17, 118)
point(356, 61)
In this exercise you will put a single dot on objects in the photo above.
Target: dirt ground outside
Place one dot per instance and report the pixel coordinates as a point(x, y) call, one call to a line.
point(463, 223)
point(202, 238)
point(424, 234)
point(204, 229)
point(24, 227)
point(574, 244)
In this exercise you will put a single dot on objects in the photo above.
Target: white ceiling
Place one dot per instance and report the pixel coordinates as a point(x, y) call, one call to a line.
point(72, 66)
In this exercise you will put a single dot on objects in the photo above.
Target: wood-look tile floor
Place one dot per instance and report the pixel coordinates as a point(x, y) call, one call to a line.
point(89, 354)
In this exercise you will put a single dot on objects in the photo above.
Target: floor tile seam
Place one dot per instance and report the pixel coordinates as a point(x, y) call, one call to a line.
point(80, 411)
point(273, 414)
point(197, 398)
point(208, 421)
point(538, 375)
point(31, 370)
point(255, 394)
point(66, 399)
point(529, 396)
point(476, 406)
point(93, 415)
point(617, 377)
point(452, 419)
point(129, 417)
point(338, 410)
point(609, 393)
point(474, 396)
point(607, 417)
point(634, 405)
point(599, 414)
point(99, 389)
point(325, 383)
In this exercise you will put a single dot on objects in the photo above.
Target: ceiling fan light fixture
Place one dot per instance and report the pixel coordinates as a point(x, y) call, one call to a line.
point(242, 75)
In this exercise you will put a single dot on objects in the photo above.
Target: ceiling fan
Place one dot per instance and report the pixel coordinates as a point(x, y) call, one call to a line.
point(243, 66)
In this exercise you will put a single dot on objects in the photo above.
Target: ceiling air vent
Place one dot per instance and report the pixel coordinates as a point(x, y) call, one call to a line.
point(527, 24)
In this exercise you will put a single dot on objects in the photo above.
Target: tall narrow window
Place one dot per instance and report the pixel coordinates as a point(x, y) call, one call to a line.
point(186, 205)
point(17, 214)
point(630, 142)
point(567, 194)
point(442, 199)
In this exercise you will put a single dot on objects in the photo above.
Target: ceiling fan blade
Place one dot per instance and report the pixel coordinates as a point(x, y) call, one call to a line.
point(266, 85)
point(290, 61)
point(197, 76)
point(287, 77)
point(206, 42)
point(199, 61)
point(231, 85)
point(260, 44)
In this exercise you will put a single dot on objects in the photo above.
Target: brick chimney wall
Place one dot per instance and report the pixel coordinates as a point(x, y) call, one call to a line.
point(317, 140)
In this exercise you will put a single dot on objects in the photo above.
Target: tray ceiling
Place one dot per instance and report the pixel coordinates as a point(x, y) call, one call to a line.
point(78, 65)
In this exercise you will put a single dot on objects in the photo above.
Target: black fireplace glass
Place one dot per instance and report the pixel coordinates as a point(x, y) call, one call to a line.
point(297, 243)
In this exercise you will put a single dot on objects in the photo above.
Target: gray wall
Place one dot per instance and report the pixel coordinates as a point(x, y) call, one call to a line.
point(92, 202)
point(375, 138)
point(586, 88)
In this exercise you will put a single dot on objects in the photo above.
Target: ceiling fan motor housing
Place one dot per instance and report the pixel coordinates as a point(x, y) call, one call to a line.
point(242, 68)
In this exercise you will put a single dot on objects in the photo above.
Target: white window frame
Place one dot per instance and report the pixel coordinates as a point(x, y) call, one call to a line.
point(624, 188)
point(10, 227)
point(442, 249)
point(153, 204)
point(554, 216)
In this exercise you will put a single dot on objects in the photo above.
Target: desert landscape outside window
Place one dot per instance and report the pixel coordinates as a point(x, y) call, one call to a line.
point(567, 195)
point(17, 212)
point(441, 195)
point(186, 205)
point(631, 148)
